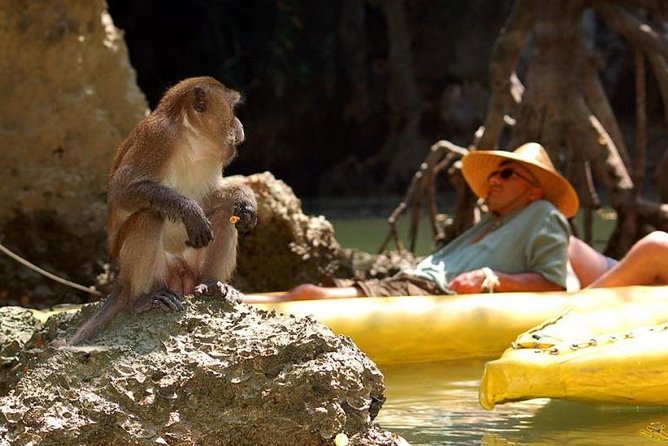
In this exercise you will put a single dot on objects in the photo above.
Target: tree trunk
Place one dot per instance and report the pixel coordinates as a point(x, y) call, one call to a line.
point(354, 55)
point(661, 174)
point(556, 110)
point(403, 96)
point(506, 88)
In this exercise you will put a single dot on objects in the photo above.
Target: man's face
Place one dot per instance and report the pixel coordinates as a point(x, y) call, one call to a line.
point(511, 187)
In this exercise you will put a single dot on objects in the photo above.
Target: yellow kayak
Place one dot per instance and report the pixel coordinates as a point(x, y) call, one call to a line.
point(431, 328)
point(612, 354)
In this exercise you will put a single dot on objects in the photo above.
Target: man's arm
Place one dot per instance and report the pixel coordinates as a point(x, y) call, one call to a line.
point(474, 282)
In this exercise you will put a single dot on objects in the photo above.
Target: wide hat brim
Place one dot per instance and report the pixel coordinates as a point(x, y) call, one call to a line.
point(478, 164)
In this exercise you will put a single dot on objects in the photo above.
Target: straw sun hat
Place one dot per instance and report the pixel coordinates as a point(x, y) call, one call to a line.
point(478, 164)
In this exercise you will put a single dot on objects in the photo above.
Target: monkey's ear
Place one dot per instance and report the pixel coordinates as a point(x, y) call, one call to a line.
point(200, 102)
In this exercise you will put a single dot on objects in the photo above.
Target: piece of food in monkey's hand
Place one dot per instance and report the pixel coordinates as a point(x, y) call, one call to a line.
point(234, 219)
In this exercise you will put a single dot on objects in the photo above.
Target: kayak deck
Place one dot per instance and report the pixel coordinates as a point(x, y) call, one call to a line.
point(612, 354)
point(407, 329)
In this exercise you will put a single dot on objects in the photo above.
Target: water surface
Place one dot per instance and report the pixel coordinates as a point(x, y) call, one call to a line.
point(437, 404)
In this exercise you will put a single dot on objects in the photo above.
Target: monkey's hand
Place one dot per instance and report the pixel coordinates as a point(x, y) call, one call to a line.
point(197, 225)
point(220, 290)
point(247, 213)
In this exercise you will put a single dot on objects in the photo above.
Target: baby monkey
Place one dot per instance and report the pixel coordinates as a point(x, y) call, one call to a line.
point(173, 221)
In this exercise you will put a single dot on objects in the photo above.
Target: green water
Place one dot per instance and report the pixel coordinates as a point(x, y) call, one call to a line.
point(437, 404)
point(368, 234)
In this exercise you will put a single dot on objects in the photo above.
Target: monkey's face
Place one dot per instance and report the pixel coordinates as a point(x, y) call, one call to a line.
point(213, 109)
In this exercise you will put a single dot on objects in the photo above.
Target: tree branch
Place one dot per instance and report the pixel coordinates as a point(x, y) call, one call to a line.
point(641, 122)
point(422, 184)
point(585, 131)
point(506, 87)
point(635, 31)
point(657, 8)
point(597, 100)
point(655, 213)
point(660, 69)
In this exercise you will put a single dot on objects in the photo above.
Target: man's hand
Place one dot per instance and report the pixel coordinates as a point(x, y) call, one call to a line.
point(468, 283)
point(474, 282)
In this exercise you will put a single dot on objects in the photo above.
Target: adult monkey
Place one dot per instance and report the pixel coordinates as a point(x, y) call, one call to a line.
point(172, 221)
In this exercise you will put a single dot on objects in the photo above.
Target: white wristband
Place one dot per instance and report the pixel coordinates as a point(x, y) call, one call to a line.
point(491, 280)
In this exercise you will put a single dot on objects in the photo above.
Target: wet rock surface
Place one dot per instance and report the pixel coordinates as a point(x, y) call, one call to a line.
point(217, 373)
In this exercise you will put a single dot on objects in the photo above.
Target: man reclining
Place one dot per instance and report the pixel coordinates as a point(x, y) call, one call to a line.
point(521, 245)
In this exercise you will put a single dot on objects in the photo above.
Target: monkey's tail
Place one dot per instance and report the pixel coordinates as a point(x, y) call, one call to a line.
point(98, 321)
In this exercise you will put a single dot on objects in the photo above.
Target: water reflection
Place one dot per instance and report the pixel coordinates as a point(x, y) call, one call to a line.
point(437, 404)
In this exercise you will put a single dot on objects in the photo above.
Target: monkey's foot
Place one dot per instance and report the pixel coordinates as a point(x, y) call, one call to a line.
point(167, 300)
point(220, 290)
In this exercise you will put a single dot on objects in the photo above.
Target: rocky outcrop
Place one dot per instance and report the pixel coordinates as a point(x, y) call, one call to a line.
point(16, 328)
point(215, 374)
point(287, 247)
point(69, 97)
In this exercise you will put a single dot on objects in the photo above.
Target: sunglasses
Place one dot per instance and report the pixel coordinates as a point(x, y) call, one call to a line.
point(508, 172)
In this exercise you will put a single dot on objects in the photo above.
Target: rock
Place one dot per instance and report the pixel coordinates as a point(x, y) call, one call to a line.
point(216, 373)
point(16, 328)
point(69, 97)
point(386, 264)
point(287, 247)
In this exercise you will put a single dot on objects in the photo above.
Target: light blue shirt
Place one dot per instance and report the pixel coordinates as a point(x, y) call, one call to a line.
point(533, 239)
